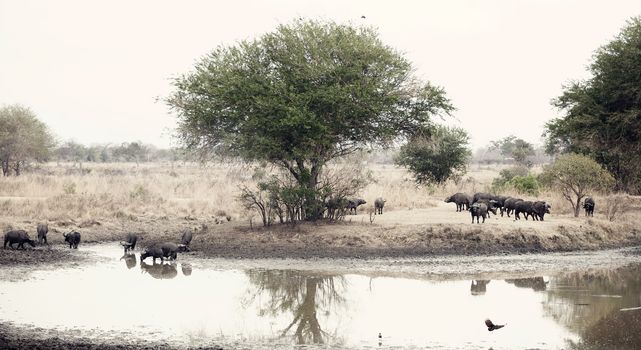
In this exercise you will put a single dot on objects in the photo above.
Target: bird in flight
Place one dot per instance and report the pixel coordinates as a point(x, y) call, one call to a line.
point(491, 326)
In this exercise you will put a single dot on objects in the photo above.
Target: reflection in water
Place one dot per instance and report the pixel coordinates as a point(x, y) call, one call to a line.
point(303, 295)
point(160, 270)
point(130, 260)
point(479, 287)
point(590, 302)
point(538, 284)
point(186, 268)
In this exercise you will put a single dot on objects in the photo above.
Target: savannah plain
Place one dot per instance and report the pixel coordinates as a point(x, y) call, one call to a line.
point(159, 200)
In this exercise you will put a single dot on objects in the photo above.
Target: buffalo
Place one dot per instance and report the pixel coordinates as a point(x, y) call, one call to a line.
point(539, 209)
point(154, 251)
point(480, 210)
point(481, 195)
point(524, 207)
point(491, 204)
point(18, 236)
point(588, 205)
point(460, 199)
point(169, 250)
point(500, 203)
point(185, 240)
point(42, 230)
point(73, 238)
point(130, 242)
point(509, 205)
point(379, 203)
point(353, 203)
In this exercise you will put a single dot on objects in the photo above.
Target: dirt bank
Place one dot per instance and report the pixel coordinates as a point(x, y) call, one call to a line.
point(14, 337)
point(437, 230)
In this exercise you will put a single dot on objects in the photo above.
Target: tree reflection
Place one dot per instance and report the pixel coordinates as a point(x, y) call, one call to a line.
point(589, 304)
point(301, 293)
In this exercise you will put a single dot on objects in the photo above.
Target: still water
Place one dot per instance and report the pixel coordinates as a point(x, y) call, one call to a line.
point(587, 302)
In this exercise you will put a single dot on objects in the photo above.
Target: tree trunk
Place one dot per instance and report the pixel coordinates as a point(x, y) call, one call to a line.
point(5, 168)
point(17, 168)
point(577, 208)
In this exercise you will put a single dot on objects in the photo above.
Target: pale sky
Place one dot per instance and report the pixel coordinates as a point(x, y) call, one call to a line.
point(93, 70)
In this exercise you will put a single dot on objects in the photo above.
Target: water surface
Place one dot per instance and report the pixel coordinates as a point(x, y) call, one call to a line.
point(429, 303)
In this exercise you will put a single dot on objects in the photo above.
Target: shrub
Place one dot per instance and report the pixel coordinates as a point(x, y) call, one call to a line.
point(525, 185)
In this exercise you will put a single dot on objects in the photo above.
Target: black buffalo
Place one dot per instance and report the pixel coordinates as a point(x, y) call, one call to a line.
point(379, 203)
point(524, 207)
point(353, 203)
point(460, 199)
point(539, 209)
point(73, 238)
point(17, 236)
point(480, 210)
point(481, 195)
point(588, 205)
point(42, 230)
point(130, 242)
point(169, 250)
point(500, 203)
point(509, 205)
point(154, 251)
point(185, 240)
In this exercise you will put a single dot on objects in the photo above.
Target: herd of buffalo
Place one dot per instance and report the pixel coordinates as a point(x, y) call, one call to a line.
point(160, 251)
point(480, 205)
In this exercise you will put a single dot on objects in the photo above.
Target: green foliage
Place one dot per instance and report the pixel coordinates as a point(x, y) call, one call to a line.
point(575, 176)
point(23, 138)
point(525, 185)
point(516, 148)
point(302, 95)
point(516, 178)
point(603, 113)
point(436, 155)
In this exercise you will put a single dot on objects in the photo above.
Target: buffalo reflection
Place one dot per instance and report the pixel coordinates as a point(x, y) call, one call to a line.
point(538, 284)
point(160, 270)
point(186, 269)
point(302, 294)
point(479, 287)
point(130, 260)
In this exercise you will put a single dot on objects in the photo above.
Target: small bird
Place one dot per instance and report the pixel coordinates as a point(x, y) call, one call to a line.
point(491, 326)
point(380, 336)
point(363, 17)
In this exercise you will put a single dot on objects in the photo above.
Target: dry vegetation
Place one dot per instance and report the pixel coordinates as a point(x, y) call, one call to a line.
point(158, 200)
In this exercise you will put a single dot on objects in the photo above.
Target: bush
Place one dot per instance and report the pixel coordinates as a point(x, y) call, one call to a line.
point(525, 185)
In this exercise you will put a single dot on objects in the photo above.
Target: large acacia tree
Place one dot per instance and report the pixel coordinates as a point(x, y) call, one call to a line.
point(23, 138)
point(603, 113)
point(302, 95)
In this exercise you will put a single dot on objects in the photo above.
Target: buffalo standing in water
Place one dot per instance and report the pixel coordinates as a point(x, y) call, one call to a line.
point(17, 236)
point(185, 240)
point(73, 238)
point(154, 251)
point(130, 243)
point(42, 230)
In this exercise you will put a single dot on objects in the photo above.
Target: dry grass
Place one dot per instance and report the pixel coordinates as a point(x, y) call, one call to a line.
point(158, 200)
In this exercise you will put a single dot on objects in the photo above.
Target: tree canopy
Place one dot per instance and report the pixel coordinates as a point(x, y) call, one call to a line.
point(514, 147)
point(575, 176)
point(436, 155)
point(23, 138)
point(302, 95)
point(603, 113)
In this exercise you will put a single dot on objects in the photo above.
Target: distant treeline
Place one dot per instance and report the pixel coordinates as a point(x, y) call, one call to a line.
point(137, 152)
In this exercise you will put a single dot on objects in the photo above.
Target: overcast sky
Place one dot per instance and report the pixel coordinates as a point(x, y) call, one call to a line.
point(93, 70)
